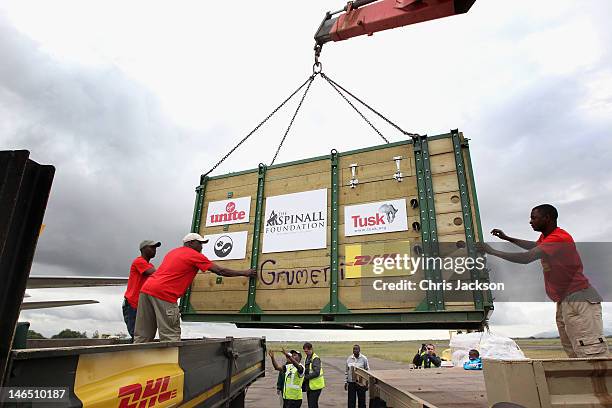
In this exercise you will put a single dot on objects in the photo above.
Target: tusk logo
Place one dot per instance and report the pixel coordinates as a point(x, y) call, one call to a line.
point(389, 211)
point(223, 246)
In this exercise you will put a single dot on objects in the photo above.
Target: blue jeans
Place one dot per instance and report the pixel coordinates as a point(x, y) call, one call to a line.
point(129, 316)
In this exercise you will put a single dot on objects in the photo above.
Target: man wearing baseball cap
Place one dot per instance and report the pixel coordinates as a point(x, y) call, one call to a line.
point(294, 377)
point(157, 307)
point(140, 270)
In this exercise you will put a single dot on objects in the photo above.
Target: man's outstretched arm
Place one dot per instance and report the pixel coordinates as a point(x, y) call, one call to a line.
point(516, 257)
point(516, 241)
point(220, 270)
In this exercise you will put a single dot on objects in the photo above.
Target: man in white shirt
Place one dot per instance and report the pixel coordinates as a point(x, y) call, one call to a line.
point(355, 391)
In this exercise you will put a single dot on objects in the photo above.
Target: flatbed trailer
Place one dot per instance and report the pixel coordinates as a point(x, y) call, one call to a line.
point(433, 388)
point(546, 383)
point(188, 373)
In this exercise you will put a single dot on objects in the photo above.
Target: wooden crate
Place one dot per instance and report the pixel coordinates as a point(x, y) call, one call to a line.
point(318, 287)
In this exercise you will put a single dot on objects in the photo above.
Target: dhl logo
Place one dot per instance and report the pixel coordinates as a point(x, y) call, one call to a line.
point(362, 260)
point(155, 391)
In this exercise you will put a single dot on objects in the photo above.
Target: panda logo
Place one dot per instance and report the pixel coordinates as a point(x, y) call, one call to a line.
point(223, 246)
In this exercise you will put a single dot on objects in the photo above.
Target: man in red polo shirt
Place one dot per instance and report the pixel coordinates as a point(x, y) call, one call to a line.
point(157, 307)
point(140, 270)
point(579, 316)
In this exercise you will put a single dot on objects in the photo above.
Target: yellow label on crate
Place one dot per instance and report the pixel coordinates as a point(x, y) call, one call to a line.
point(125, 379)
point(367, 260)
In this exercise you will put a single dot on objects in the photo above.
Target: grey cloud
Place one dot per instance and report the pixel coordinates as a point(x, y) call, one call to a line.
point(124, 171)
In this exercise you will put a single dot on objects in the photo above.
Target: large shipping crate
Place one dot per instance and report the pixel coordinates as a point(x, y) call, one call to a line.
point(317, 229)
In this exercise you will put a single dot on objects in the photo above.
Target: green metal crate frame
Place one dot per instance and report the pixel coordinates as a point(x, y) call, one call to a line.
point(430, 314)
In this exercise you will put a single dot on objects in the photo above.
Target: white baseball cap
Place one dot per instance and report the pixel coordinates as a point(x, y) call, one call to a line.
point(192, 236)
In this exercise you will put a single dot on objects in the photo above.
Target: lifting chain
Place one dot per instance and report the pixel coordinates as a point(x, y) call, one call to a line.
point(317, 69)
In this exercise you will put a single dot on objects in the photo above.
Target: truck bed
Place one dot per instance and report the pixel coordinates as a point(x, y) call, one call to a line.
point(204, 372)
point(434, 388)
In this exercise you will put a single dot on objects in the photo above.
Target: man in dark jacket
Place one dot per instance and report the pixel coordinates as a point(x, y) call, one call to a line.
point(313, 379)
point(426, 357)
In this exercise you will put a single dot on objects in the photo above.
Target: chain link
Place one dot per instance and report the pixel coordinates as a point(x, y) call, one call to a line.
point(354, 107)
point(311, 79)
point(308, 81)
point(383, 117)
point(317, 70)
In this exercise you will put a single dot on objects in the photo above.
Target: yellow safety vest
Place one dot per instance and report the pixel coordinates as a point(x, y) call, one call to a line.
point(316, 383)
point(292, 389)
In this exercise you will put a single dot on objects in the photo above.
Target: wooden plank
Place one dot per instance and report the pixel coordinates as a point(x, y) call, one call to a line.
point(383, 155)
point(378, 191)
point(353, 298)
point(297, 185)
point(439, 146)
point(450, 223)
point(227, 300)
point(313, 299)
point(400, 235)
point(447, 202)
point(437, 388)
point(237, 192)
point(445, 182)
point(208, 282)
point(230, 182)
point(218, 229)
point(299, 170)
point(442, 163)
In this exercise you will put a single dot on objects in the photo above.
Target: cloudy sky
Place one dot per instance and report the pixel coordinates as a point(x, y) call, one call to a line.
point(133, 101)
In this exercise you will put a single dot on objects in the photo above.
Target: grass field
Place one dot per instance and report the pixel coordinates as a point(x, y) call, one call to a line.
point(403, 351)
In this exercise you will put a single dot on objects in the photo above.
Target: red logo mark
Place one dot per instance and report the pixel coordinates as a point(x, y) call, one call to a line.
point(361, 260)
point(230, 207)
point(359, 221)
point(154, 391)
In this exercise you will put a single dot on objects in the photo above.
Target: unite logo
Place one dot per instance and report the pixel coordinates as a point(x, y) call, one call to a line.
point(155, 391)
point(230, 214)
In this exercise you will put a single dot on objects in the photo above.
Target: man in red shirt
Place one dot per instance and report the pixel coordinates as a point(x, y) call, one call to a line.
point(579, 316)
point(157, 307)
point(140, 270)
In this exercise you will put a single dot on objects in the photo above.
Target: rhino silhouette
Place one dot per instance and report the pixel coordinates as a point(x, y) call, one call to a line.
point(389, 210)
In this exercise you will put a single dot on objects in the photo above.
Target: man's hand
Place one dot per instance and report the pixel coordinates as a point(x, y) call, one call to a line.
point(250, 273)
point(271, 353)
point(345, 386)
point(482, 247)
point(499, 234)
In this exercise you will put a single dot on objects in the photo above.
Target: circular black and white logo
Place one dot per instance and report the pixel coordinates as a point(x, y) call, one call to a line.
point(223, 246)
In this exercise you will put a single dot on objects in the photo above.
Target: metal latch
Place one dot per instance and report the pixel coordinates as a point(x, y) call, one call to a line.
point(354, 181)
point(398, 174)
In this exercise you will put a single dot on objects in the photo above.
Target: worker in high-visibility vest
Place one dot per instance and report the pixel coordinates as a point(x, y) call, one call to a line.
point(294, 377)
point(314, 382)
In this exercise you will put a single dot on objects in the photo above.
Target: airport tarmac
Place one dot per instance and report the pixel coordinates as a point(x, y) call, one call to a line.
point(262, 394)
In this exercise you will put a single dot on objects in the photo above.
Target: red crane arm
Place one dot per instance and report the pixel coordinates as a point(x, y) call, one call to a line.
point(370, 16)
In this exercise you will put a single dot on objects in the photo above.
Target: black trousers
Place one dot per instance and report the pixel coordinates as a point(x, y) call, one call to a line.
point(356, 392)
point(313, 398)
point(292, 403)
